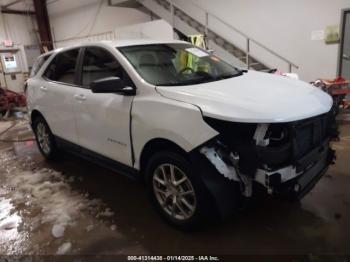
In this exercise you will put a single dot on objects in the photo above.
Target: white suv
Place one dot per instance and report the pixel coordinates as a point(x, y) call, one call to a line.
point(200, 132)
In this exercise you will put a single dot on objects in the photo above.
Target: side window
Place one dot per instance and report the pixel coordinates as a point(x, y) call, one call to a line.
point(99, 63)
point(38, 64)
point(62, 67)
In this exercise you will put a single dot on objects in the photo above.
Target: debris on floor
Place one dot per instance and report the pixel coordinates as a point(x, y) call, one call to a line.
point(64, 248)
point(58, 230)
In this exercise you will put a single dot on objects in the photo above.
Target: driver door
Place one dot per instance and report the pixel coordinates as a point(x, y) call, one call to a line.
point(103, 120)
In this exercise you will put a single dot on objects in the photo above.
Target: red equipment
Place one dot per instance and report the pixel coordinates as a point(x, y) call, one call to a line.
point(337, 88)
point(10, 99)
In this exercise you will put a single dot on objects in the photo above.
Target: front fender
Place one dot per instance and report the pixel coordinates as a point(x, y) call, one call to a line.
point(159, 117)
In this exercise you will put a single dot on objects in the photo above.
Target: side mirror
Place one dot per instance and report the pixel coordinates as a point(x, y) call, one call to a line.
point(111, 85)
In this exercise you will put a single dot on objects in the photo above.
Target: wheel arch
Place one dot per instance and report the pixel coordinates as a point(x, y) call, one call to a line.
point(156, 145)
point(34, 114)
point(221, 191)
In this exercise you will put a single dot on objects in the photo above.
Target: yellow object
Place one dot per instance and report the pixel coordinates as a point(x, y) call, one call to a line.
point(332, 35)
point(198, 40)
point(190, 61)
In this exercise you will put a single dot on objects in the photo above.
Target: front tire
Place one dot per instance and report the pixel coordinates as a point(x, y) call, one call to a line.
point(44, 138)
point(177, 191)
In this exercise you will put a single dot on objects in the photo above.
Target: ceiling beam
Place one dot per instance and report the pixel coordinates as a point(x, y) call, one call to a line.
point(43, 22)
point(16, 12)
point(12, 3)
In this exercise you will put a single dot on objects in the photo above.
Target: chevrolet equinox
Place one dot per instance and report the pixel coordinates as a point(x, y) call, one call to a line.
point(202, 134)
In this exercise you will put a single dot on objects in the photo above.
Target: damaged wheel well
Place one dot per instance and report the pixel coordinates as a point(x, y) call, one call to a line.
point(35, 114)
point(156, 145)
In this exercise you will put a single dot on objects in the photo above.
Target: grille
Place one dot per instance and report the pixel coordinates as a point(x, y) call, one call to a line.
point(310, 134)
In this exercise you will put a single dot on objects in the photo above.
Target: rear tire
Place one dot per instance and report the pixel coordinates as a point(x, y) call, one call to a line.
point(177, 192)
point(44, 138)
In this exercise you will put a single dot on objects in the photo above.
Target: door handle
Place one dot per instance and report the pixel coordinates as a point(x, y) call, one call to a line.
point(43, 88)
point(80, 97)
point(346, 57)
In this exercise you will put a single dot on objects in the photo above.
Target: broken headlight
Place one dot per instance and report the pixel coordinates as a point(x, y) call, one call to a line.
point(238, 138)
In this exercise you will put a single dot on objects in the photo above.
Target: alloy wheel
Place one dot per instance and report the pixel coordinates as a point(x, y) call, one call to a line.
point(174, 192)
point(43, 138)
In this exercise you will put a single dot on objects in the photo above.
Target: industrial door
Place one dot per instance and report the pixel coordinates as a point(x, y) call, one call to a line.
point(345, 47)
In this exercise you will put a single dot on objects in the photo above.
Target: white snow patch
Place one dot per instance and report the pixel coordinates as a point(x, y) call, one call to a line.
point(89, 228)
point(9, 219)
point(106, 213)
point(49, 194)
point(50, 191)
point(5, 208)
point(8, 224)
point(18, 197)
point(64, 248)
point(58, 231)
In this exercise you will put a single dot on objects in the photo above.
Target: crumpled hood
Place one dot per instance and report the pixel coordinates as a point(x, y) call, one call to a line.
point(253, 97)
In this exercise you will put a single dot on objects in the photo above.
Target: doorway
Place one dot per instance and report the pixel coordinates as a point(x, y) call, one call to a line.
point(344, 54)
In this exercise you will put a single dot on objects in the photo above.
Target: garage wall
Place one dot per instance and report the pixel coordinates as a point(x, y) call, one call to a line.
point(286, 26)
point(18, 28)
point(158, 29)
point(75, 19)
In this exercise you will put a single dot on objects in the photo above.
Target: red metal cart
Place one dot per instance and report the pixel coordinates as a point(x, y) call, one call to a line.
point(10, 100)
point(338, 88)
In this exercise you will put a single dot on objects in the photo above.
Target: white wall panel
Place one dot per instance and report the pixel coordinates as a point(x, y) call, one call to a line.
point(286, 27)
point(158, 29)
point(79, 18)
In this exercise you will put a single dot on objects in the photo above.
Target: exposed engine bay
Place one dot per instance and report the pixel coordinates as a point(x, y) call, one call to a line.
point(279, 156)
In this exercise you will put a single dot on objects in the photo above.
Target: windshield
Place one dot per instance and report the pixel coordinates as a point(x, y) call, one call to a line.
point(177, 64)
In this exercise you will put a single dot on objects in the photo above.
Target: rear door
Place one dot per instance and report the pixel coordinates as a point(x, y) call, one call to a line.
point(103, 120)
point(39, 62)
point(56, 94)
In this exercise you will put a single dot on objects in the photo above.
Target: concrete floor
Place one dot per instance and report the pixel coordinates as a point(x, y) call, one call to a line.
point(75, 207)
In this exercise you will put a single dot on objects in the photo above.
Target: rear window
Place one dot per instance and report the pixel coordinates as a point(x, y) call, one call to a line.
point(62, 67)
point(38, 64)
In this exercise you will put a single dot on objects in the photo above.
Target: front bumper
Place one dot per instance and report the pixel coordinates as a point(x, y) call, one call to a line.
point(294, 182)
point(306, 182)
point(288, 158)
point(225, 184)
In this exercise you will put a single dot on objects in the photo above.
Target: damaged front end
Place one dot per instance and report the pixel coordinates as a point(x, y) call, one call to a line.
point(282, 157)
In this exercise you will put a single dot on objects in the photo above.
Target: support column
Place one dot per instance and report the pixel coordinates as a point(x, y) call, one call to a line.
point(42, 19)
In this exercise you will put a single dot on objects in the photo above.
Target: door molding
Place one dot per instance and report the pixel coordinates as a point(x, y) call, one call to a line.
point(344, 12)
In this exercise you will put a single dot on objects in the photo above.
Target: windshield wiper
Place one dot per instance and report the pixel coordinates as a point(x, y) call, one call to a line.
point(241, 70)
point(188, 82)
point(239, 73)
point(222, 77)
point(208, 78)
